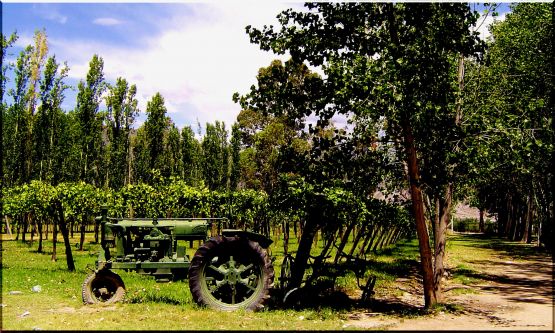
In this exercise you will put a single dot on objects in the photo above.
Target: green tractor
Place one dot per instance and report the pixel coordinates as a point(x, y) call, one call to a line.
point(231, 270)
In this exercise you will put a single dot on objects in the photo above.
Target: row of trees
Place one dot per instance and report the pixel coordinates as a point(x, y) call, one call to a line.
point(41, 141)
point(38, 207)
point(511, 96)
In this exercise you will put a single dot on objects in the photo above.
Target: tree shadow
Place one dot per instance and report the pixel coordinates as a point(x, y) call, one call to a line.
point(313, 298)
point(502, 246)
point(323, 293)
point(522, 282)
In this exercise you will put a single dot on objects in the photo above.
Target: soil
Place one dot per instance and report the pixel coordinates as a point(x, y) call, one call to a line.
point(511, 295)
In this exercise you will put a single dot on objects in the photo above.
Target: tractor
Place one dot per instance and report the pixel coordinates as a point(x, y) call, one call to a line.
point(231, 270)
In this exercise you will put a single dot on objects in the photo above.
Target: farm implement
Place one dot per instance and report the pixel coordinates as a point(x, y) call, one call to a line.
point(231, 270)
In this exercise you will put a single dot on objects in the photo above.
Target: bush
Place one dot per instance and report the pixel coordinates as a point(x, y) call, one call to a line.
point(466, 225)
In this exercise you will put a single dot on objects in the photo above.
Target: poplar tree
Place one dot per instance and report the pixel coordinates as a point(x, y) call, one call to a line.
point(90, 121)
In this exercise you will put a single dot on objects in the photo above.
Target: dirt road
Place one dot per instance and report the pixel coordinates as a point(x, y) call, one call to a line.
point(514, 294)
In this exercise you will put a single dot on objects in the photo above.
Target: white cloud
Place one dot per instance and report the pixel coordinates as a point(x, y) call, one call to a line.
point(196, 64)
point(55, 16)
point(107, 21)
point(484, 22)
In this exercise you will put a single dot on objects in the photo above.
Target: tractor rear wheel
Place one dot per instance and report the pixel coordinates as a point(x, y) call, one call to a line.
point(104, 287)
point(230, 273)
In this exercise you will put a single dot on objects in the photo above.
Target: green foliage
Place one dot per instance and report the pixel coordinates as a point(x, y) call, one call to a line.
point(90, 120)
point(121, 112)
point(510, 132)
point(155, 126)
point(215, 158)
point(191, 154)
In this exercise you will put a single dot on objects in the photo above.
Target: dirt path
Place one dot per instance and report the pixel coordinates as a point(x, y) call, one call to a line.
point(516, 295)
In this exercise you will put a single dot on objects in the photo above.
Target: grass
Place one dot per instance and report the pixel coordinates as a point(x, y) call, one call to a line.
point(148, 305)
point(169, 306)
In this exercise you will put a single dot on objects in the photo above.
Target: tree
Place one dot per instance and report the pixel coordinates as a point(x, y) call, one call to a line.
point(391, 61)
point(172, 152)
point(215, 156)
point(121, 111)
point(47, 120)
point(90, 121)
point(191, 153)
point(235, 143)
point(510, 96)
point(141, 157)
point(5, 121)
point(274, 115)
point(155, 126)
point(18, 126)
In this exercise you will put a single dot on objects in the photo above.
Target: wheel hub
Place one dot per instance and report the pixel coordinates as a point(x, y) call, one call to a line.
point(232, 274)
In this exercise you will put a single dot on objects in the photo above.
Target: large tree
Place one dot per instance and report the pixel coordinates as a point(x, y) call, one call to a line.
point(122, 109)
point(155, 126)
point(215, 156)
point(90, 121)
point(191, 154)
point(47, 125)
point(395, 62)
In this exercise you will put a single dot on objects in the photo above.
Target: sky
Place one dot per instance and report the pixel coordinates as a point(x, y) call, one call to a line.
point(195, 54)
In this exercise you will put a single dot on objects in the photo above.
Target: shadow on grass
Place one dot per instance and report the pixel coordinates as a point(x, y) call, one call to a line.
point(501, 245)
point(398, 262)
point(310, 298)
point(522, 282)
point(530, 281)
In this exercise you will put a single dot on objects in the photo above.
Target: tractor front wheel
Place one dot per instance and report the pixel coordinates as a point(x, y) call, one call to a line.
point(230, 273)
point(104, 287)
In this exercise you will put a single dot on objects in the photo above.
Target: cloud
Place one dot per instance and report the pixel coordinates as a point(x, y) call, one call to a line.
point(196, 63)
point(107, 21)
point(484, 22)
point(54, 16)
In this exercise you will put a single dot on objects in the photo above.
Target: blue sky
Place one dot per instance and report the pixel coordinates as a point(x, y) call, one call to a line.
point(195, 54)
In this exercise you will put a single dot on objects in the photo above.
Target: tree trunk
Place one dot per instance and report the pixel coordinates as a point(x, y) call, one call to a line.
point(344, 241)
point(8, 229)
point(515, 222)
point(481, 224)
point(367, 246)
point(65, 234)
point(24, 228)
point(358, 236)
point(18, 227)
point(82, 231)
point(418, 213)
point(33, 225)
point(307, 239)
point(303, 253)
point(502, 217)
point(96, 231)
point(39, 226)
point(376, 234)
point(391, 236)
point(285, 225)
point(379, 239)
point(54, 239)
point(440, 239)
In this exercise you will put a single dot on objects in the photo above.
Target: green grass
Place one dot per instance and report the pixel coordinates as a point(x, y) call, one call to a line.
point(148, 305)
point(169, 306)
